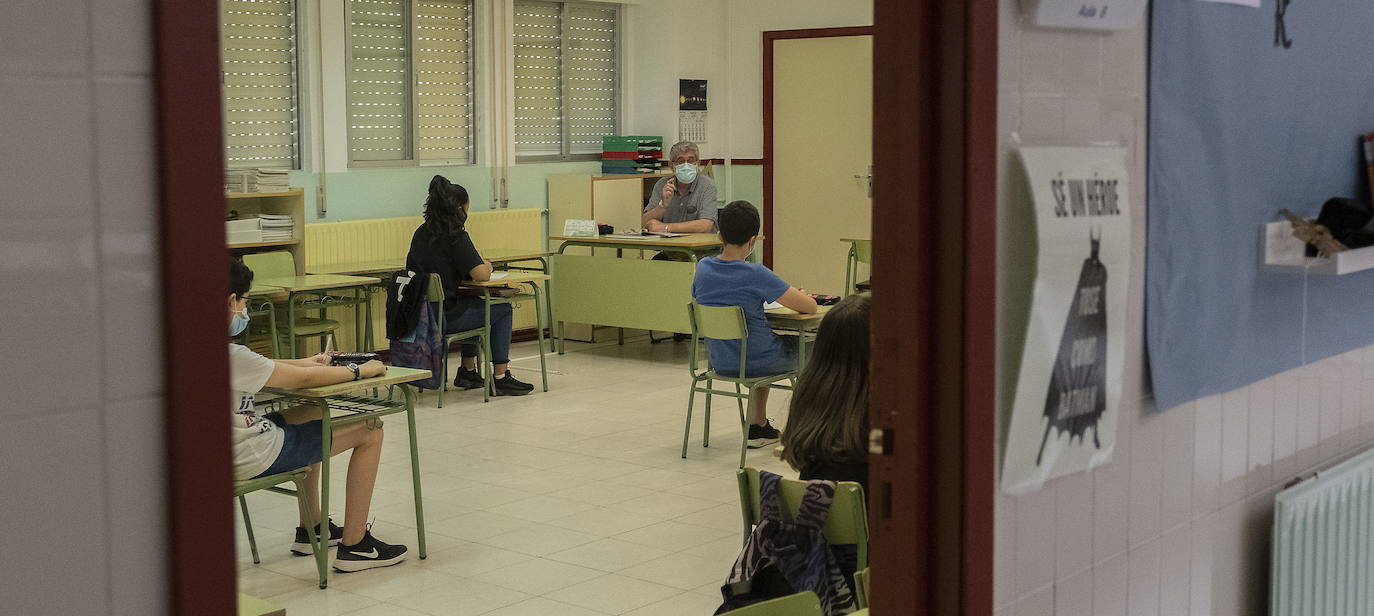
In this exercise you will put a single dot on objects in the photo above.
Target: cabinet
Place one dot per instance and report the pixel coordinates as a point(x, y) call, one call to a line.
point(290, 203)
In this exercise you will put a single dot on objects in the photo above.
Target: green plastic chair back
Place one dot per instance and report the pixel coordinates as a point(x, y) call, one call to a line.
point(435, 292)
point(863, 251)
point(804, 603)
point(847, 523)
point(719, 322)
point(275, 264)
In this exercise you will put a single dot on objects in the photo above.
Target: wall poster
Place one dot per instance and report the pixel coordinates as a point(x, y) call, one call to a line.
point(1068, 391)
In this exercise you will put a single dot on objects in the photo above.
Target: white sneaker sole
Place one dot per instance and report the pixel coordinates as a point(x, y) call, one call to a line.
point(759, 443)
point(351, 566)
point(304, 549)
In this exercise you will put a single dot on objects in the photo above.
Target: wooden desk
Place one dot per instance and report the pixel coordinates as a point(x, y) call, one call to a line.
point(339, 408)
point(354, 268)
point(510, 255)
point(804, 324)
point(691, 244)
point(295, 286)
point(267, 292)
point(514, 279)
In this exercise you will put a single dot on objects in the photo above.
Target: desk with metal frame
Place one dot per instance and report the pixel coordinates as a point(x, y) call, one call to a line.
point(297, 287)
point(804, 324)
point(357, 408)
point(512, 280)
point(627, 293)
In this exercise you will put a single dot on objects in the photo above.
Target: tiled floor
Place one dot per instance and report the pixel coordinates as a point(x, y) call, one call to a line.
point(573, 502)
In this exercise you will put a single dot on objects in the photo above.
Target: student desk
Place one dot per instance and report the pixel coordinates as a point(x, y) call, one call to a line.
point(340, 406)
point(295, 286)
point(634, 293)
point(358, 268)
point(513, 280)
point(804, 324)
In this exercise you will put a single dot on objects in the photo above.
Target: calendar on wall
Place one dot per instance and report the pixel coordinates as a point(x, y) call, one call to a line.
point(691, 104)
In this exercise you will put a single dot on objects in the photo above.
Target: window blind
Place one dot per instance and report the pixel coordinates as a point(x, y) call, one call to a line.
point(259, 81)
point(378, 73)
point(589, 75)
point(565, 77)
point(443, 80)
point(538, 102)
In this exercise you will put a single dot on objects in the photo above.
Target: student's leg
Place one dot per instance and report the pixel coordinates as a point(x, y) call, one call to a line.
point(473, 317)
point(760, 414)
point(366, 444)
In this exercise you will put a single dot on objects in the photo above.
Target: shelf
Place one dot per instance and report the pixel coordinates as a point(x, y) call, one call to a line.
point(1281, 252)
point(295, 192)
point(264, 244)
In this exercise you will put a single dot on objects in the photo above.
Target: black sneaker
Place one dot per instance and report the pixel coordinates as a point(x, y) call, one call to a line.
point(762, 436)
point(508, 386)
point(368, 554)
point(302, 545)
point(468, 379)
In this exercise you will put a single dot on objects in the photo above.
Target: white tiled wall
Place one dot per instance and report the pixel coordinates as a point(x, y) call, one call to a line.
point(1178, 523)
point(81, 455)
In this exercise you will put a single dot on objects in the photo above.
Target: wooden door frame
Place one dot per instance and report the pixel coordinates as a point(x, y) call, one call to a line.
point(195, 282)
point(769, 37)
point(934, 373)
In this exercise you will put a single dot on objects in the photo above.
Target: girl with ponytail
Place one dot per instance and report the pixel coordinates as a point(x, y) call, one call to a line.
point(442, 246)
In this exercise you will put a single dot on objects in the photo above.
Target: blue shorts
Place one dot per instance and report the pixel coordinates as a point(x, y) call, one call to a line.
point(300, 448)
point(786, 361)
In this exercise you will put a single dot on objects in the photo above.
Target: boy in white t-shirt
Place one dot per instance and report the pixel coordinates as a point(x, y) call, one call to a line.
point(279, 442)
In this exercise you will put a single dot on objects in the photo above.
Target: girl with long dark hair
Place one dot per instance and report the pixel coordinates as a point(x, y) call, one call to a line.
point(827, 422)
point(442, 246)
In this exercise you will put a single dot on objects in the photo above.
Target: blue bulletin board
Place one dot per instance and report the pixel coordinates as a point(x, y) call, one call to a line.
point(1251, 110)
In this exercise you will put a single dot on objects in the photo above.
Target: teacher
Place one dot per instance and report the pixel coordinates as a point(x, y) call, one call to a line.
point(684, 202)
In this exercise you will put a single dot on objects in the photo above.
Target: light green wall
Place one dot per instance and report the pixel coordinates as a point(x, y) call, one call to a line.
point(388, 192)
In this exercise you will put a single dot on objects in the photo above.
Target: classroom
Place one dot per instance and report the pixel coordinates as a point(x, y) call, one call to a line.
point(565, 307)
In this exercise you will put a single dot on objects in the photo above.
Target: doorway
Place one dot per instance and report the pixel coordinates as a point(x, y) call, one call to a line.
point(818, 144)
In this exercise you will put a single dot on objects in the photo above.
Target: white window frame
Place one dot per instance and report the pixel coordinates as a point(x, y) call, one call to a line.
point(565, 139)
point(411, 159)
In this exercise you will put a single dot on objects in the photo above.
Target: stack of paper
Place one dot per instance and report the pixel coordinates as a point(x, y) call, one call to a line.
point(272, 180)
point(245, 231)
point(277, 227)
point(240, 180)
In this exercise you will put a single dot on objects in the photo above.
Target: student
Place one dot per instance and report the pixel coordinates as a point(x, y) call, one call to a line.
point(280, 442)
point(827, 422)
point(731, 280)
point(442, 246)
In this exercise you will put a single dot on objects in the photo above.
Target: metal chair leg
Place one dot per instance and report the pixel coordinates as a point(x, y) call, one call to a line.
point(744, 426)
point(687, 429)
point(248, 526)
point(706, 429)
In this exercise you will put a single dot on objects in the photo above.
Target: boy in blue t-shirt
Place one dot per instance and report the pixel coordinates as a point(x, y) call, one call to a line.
point(731, 280)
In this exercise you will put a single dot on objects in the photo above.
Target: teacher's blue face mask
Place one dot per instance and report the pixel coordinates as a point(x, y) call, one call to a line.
point(686, 173)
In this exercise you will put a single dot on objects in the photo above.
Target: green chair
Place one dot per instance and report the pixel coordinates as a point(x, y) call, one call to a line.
point(435, 294)
point(724, 323)
point(804, 603)
point(861, 588)
point(272, 483)
point(860, 251)
point(847, 523)
point(258, 307)
point(280, 264)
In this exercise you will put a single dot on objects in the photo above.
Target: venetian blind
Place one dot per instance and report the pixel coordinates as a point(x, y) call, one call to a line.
point(378, 73)
point(259, 83)
point(538, 99)
point(443, 80)
point(589, 75)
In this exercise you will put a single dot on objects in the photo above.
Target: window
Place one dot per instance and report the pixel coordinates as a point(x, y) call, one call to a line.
point(566, 78)
point(259, 81)
point(410, 81)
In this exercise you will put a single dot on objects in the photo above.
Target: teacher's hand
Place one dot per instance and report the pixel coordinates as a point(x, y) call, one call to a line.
point(658, 226)
point(669, 188)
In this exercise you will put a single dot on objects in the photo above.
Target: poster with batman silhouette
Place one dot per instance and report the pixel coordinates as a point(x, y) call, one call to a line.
point(1069, 311)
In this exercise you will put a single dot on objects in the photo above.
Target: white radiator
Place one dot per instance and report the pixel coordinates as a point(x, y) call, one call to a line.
point(1323, 551)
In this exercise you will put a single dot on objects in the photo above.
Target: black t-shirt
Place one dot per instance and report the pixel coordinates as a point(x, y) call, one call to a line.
point(451, 256)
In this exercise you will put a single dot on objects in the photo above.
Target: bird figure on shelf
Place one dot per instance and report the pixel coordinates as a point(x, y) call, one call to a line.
point(1314, 234)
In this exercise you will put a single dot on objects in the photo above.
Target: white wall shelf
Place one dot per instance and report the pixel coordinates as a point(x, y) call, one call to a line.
point(1281, 252)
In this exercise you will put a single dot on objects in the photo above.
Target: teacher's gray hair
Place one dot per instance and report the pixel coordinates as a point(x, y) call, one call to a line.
point(683, 147)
